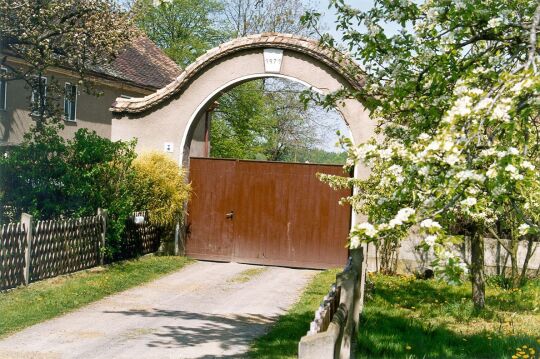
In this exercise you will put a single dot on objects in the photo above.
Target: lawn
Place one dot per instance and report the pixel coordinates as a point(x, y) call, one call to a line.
point(406, 317)
point(25, 306)
point(409, 318)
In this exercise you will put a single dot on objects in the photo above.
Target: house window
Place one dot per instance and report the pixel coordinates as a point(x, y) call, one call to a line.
point(3, 88)
point(36, 100)
point(70, 102)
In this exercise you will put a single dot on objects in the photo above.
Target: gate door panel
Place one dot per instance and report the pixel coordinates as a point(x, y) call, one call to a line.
point(283, 215)
point(210, 229)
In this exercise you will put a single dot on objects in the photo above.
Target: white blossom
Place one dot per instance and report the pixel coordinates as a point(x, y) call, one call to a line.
point(368, 228)
point(527, 165)
point(514, 173)
point(429, 223)
point(500, 112)
point(496, 21)
point(355, 242)
point(430, 240)
point(451, 159)
point(469, 202)
point(523, 229)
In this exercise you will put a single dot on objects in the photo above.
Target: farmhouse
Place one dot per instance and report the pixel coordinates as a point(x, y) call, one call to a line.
point(139, 70)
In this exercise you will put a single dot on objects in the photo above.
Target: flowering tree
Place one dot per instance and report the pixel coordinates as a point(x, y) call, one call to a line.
point(455, 90)
point(72, 34)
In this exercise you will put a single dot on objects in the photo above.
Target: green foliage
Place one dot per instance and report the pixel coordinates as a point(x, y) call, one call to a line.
point(160, 187)
point(428, 318)
point(238, 125)
point(408, 318)
point(49, 177)
point(25, 306)
point(266, 120)
point(184, 29)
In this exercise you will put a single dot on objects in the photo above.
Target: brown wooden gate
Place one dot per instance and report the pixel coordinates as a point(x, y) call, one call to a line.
point(266, 213)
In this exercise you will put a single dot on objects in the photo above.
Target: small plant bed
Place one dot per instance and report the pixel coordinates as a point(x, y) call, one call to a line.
point(406, 317)
point(25, 306)
point(282, 340)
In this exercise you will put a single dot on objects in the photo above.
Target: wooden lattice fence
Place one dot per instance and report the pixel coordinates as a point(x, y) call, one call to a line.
point(140, 237)
point(65, 246)
point(36, 250)
point(12, 255)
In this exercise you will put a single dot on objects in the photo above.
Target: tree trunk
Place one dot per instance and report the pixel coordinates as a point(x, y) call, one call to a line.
point(477, 270)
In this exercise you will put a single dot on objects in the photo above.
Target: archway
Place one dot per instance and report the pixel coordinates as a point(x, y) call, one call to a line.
point(168, 119)
point(171, 119)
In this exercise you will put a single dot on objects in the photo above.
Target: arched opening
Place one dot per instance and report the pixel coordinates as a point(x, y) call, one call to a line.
point(316, 131)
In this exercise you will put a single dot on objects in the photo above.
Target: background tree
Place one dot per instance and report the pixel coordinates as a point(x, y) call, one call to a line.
point(183, 29)
point(455, 89)
point(268, 121)
point(77, 35)
point(246, 17)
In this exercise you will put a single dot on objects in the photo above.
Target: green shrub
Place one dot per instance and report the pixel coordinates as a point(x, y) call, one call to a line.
point(50, 177)
point(161, 188)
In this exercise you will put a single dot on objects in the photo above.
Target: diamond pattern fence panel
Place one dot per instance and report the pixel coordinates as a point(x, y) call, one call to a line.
point(12, 254)
point(65, 246)
point(140, 237)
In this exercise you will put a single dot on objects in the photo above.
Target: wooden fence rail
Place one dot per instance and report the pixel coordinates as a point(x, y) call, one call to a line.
point(65, 246)
point(36, 250)
point(12, 255)
point(332, 333)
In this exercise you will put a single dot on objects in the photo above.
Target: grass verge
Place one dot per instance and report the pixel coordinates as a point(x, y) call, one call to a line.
point(25, 306)
point(409, 318)
point(282, 339)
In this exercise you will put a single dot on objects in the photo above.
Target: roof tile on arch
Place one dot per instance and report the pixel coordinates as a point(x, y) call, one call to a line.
point(335, 60)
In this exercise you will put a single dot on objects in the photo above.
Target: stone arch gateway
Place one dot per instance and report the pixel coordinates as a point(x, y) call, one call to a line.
point(172, 116)
point(173, 120)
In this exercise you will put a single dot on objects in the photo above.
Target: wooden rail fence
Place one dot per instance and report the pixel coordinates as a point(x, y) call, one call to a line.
point(12, 255)
point(332, 333)
point(32, 251)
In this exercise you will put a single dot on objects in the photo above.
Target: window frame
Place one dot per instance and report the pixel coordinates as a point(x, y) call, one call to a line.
point(68, 115)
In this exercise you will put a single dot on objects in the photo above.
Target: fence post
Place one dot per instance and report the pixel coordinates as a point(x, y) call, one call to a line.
point(26, 220)
point(103, 214)
point(176, 238)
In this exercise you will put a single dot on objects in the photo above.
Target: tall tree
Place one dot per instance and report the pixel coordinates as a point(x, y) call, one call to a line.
point(73, 34)
point(267, 121)
point(455, 90)
point(184, 29)
point(246, 17)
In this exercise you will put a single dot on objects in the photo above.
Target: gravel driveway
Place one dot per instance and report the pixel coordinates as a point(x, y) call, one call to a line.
point(205, 310)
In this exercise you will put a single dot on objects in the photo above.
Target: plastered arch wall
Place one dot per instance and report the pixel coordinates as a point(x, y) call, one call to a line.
point(172, 114)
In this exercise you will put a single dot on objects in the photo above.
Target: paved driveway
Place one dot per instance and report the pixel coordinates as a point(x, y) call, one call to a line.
point(201, 311)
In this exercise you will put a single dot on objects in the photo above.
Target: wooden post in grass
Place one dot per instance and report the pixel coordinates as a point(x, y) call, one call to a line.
point(26, 221)
point(103, 214)
point(177, 238)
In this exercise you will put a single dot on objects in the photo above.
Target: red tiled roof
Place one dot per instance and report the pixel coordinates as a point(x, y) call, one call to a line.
point(143, 64)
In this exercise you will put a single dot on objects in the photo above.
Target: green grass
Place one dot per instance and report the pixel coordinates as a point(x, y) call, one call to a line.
point(282, 340)
point(25, 306)
point(247, 275)
point(409, 318)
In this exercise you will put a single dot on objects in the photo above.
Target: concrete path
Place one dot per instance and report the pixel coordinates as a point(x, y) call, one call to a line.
point(201, 311)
